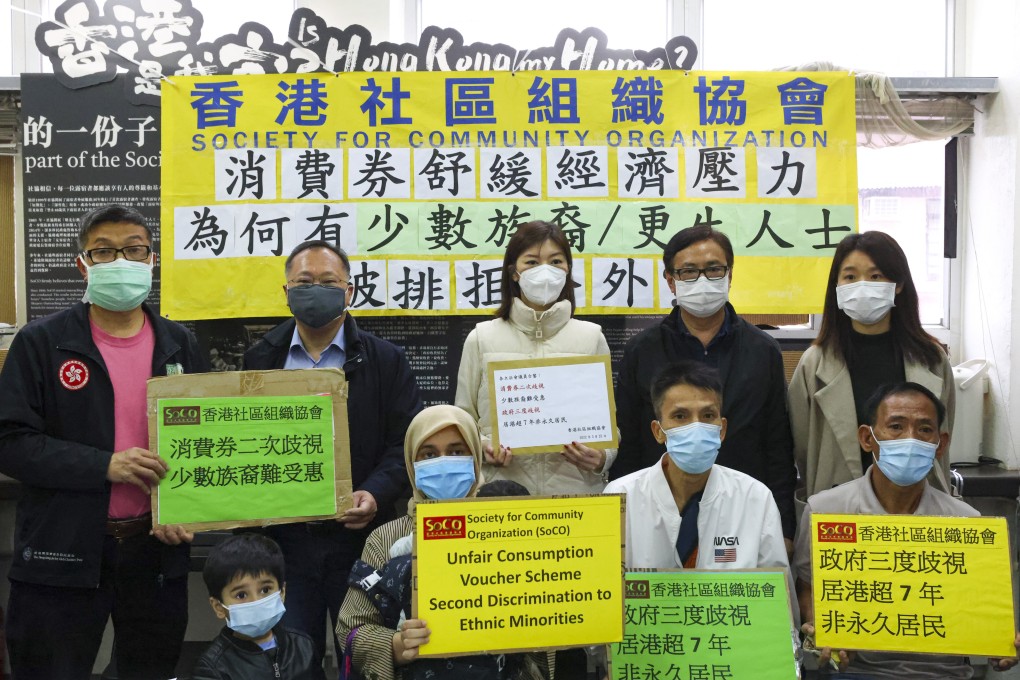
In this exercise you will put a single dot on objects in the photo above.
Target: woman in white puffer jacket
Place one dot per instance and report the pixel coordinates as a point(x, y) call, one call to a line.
point(534, 321)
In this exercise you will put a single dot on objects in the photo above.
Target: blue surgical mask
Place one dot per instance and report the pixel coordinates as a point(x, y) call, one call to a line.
point(693, 447)
point(904, 462)
point(445, 477)
point(255, 619)
point(119, 286)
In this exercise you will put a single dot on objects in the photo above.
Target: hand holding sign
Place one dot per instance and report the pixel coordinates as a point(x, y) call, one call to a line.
point(584, 457)
point(500, 459)
point(173, 534)
point(412, 634)
point(136, 466)
point(363, 511)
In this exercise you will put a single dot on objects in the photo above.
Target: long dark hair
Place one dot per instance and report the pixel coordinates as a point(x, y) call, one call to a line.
point(904, 319)
point(526, 236)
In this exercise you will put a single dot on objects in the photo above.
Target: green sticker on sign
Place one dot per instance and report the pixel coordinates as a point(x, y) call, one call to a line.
point(705, 625)
point(246, 458)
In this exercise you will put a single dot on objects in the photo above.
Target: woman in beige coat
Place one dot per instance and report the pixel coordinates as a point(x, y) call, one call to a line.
point(871, 335)
point(534, 321)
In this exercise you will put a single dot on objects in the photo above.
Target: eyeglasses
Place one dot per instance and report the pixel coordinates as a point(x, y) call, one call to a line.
point(691, 274)
point(326, 283)
point(104, 255)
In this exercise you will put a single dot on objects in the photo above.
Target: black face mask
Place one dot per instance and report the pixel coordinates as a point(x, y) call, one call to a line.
point(315, 305)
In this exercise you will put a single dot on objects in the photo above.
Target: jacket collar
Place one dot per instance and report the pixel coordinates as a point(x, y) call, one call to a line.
point(836, 399)
point(539, 324)
point(664, 495)
point(279, 339)
point(76, 335)
point(249, 647)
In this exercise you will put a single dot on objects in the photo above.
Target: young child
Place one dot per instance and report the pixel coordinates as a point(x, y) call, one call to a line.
point(244, 575)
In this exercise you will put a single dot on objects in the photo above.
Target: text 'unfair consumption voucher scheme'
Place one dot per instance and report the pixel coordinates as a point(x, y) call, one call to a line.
point(546, 570)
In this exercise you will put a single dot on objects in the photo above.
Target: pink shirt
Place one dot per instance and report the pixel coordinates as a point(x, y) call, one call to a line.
point(129, 363)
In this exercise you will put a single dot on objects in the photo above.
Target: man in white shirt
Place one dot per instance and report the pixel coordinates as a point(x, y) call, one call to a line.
point(685, 511)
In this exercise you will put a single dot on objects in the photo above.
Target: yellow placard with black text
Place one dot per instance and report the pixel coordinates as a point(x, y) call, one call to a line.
point(910, 583)
point(519, 574)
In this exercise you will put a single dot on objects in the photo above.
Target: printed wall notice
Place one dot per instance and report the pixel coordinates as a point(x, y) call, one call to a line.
point(519, 574)
point(82, 149)
point(907, 583)
point(539, 405)
point(702, 625)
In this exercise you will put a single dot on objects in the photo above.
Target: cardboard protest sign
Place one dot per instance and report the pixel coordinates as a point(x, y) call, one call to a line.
point(250, 448)
point(706, 625)
point(909, 583)
point(540, 572)
point(538, 405)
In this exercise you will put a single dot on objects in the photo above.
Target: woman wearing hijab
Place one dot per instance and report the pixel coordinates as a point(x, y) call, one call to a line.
point(534, 321)
point(443, 455)
point(871, 335)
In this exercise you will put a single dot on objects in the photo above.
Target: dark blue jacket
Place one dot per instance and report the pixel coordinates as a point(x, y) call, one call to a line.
point(758, 442)
point(57, 437)
point(382, 399)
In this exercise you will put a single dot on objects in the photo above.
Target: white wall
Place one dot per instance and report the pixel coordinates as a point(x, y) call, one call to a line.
point(989, 321)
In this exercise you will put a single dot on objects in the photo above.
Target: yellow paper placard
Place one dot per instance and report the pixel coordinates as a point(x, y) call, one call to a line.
point(518, 574)
point(908, 583)
point(539, 405)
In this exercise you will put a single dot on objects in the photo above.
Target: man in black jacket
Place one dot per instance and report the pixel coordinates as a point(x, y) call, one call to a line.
point(704, 327)
point(382, 398)
point(74, 432)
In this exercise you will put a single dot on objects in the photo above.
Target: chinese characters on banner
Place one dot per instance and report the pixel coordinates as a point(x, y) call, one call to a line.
point(519, 574)
point(700, 625)
point(539, 405)
point(906, 583)
point(423, 177)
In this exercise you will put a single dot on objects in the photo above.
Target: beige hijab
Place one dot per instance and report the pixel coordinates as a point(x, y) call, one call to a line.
point(427, 423)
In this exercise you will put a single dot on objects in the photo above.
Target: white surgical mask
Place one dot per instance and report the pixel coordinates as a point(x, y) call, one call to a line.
point(702, 297)
point(543, 284)
point(866, 302)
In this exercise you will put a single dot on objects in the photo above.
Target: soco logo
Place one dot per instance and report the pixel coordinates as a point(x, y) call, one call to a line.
point(837, 532)
point(445, 527)
point(182, 415)
point(637, 590)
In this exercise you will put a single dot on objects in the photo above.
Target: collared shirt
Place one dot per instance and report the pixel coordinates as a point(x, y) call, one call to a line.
point(333, 356)
point(858, 497)
point(692, 348)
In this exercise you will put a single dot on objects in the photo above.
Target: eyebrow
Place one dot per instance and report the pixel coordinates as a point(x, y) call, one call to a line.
point(693, 265)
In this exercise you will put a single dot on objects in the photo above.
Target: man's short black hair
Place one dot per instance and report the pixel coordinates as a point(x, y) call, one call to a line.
point(109, 213)
point(502, 487)
point(247, 554)
point(308, 245)
point(891, 389)
point(685, 238)
point(693, 373)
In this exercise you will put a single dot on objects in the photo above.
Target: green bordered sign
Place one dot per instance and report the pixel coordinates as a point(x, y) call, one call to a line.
point(246, 458)
point(706, 625)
